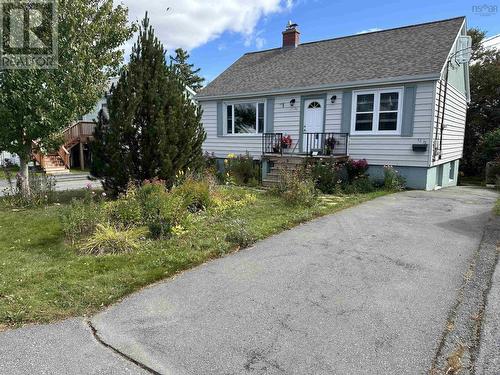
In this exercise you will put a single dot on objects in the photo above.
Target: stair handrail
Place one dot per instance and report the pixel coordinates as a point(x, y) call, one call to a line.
point(37, 154)
point(64, 155)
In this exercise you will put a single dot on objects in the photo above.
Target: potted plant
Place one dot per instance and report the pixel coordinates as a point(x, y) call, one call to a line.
point(286, 142)
point(330, 143)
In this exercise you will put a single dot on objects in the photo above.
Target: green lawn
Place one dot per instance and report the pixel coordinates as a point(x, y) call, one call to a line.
point(12, 170)
point(43, 279)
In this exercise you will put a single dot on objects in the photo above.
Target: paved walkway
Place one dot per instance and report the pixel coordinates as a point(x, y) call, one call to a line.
point(62, 183)
point(365, 291)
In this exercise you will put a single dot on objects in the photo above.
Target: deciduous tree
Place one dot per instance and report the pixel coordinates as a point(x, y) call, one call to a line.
point(36, 103)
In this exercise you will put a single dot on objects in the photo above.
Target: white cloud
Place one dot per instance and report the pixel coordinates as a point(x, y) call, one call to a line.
point(369, 30)
point(192, 23)
point(260, 42)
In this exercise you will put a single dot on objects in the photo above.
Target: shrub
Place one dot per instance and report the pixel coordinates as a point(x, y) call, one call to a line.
point(295, 188)
point(493, 171)
point(359, 186)
point(488, 148)
point(224, 200)
point(242, 169)
point(326, 175)
point(392, 180)
point(126, 211)
point(238, 233)
point(195, 194)
point(80, 219)
point(161, 210)
point(109, 240)
point(356, 169)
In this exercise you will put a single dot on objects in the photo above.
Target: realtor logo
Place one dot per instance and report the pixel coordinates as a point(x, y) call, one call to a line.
point(485, 9)
point(28, 34)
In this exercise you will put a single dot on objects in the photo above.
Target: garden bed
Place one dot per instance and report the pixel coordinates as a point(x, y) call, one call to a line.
point(43, 277)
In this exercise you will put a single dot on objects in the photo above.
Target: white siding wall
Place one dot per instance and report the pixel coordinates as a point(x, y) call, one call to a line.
point(454, 125)
point(13, 158)
point(397, 150)
point(378, 150)
point(286, 118)
point(222, 146)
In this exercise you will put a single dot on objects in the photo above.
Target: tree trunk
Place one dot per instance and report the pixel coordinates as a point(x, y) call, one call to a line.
point(24, 181)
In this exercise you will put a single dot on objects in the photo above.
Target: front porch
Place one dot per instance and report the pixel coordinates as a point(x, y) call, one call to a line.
point(278, 154)
point(309, 145)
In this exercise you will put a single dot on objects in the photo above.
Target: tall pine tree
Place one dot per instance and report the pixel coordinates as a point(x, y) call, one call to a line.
point(186, 71)
point(152, 128)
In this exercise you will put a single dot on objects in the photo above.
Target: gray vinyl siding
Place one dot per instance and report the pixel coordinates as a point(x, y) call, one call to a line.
point(454, 125)
point(378, 150)
point(396, 150)
point(222, 146)
point(287, 118)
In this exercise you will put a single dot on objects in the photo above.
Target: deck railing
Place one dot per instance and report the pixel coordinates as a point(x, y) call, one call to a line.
point(272, 143)
point(325, 144)
point(312, 144)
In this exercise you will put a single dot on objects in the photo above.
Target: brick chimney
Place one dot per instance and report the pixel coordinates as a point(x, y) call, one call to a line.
point(291, 35)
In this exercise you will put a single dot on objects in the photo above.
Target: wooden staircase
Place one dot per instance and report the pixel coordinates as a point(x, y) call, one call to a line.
point(54, 164)
point(59, 162)
point(279, 163)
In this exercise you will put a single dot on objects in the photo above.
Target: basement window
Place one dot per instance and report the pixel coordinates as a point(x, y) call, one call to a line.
point(245, 118)
point(377, 112)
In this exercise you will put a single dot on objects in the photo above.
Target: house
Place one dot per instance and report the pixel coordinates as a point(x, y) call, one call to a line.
point(7, 158)
point(393, 97)
point(75, 151)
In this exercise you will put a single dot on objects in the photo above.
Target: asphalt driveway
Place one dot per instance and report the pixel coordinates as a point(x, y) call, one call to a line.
point(365, 291)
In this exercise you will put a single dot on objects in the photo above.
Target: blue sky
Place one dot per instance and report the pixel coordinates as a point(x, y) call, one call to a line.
point(218, 32)
point(322, 19)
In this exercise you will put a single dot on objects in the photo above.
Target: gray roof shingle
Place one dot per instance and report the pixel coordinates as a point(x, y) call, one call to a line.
point(406, 51)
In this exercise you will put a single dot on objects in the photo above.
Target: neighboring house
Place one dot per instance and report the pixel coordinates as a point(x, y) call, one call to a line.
point(75, 152)
point(8, 158)
point(393, 97)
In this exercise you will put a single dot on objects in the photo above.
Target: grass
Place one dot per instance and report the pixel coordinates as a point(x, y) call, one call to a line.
point(42, 278)
point(13, 171)
point(497, 207)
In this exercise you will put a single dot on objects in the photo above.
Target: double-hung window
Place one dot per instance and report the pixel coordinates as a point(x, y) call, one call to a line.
point(377, 112)
point(245, 118)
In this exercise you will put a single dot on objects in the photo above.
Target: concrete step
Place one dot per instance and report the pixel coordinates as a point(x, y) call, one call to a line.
point(55, 171)
point(73, 177)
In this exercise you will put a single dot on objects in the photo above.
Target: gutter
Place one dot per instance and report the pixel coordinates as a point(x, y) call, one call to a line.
point(342, 85)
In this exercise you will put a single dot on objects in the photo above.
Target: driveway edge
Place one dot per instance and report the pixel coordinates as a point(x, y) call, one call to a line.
point(459, 347)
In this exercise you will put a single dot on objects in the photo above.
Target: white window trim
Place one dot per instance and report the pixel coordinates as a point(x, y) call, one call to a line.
point(376, 112)
point(233, 102)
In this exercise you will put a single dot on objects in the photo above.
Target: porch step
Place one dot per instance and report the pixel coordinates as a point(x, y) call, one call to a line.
point(56, 170)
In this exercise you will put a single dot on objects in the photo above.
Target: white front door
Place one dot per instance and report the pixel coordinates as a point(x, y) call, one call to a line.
point(313, 123)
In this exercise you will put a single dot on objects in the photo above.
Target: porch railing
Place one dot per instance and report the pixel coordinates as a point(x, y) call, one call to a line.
point(325, 144)
point(271, 143)
point(312, 144)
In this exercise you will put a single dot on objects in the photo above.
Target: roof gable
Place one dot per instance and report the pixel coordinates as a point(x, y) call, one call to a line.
point(416, 50)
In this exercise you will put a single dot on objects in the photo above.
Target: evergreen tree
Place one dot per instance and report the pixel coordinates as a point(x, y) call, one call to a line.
point(186, 71)
point(153, 129)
